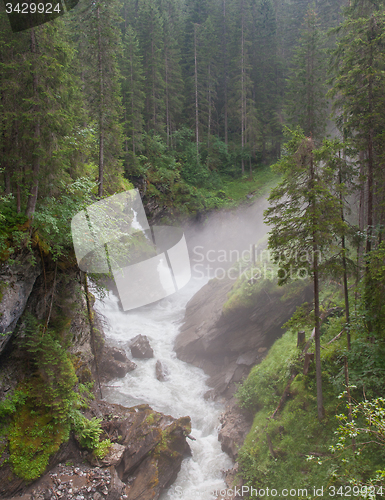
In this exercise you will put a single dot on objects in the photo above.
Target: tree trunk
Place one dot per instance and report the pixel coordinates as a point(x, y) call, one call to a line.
point(317, 339)
point(167, 104)
point(209, 117)
point(101, 110)
point(225, 67)
point(132, 99)
point(345, 276)
point(370, 153)
point(242, 88)
point(196, 92)
point(32, 198)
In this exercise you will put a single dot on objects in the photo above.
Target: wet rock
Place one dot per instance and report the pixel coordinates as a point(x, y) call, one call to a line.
point(16, 283)
point(152, 439)
point(114, 363)
point(113, 457)
point(147, 459)
point(116, 487)
point(140, 347)
point(226, 343)
point(236, 423)
point(161, 371)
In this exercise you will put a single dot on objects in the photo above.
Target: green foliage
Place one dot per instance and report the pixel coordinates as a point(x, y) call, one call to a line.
point(52, 220)
point(11, 404)
point(102, 448)
point(34, 436)
point(266, 381)
point(295, 432)
point(359, 442)
point(367, 366)
point(87, 431)
point(373, 292)
point(305, 214)
point(306, 89)
point(12, 227)
point(53, 384)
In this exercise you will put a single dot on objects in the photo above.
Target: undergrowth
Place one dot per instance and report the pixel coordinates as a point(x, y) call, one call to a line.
point(46, 406)
point(293, 450)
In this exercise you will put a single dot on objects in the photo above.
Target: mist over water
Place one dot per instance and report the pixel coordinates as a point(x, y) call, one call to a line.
point(224, 237)
point(182, 393)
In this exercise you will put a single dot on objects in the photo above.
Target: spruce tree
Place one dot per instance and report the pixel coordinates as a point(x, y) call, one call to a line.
point(133, 94)
point(306, 85)
point(305, 219)
point(173, 91)
point(102, 85)
point(150, 35)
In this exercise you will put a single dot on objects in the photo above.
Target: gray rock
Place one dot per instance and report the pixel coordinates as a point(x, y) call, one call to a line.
point(236, 423)
point(116, 486)
point(140, 347)
point(16, 283)
point(229, 341)
point(114, 456)
point(114, 363)
point(161, 371)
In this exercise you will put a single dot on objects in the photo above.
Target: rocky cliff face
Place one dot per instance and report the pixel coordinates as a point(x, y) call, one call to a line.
point(148, 447)
point(16, 283)
point(145, 457)
point(227, 343)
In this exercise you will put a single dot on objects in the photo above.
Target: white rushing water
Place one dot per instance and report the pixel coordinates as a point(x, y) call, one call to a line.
point(179, 395)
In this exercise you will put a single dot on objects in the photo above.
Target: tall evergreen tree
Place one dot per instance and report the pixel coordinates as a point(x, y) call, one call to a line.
point(150, 34)
point(266, 79)
point(305, 220)
point(306, 86)
point(102, 83)
point(133, 93)
point(359, 87)
point(173, 92)
point(41, 111)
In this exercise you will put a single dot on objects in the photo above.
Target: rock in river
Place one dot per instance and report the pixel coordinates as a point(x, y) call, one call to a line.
point(140, 347)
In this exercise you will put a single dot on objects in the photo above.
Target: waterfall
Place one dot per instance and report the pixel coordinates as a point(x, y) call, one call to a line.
point(181, 394)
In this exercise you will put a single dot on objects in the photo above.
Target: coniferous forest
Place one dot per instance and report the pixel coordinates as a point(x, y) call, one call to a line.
point(165, 93)
point(192, 102)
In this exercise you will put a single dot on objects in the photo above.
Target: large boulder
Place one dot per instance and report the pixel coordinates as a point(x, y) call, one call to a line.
point(141, 348)
point(114, 363)
point(227, 340)
point(145, 457)
point(155, 447)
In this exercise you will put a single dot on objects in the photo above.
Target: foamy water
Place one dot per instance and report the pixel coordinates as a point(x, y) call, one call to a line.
point(181, 394)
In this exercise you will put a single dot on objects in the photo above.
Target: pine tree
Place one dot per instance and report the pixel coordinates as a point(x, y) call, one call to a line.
point(305, 220)
point(150, 34)
point(133, 93)
point(41, 112)
point(265, 78)
point(359, 88)
point(242, 104)
point(102, 83)
point(306, 86)
point(173, 92)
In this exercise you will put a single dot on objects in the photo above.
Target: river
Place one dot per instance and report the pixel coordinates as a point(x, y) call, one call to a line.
point(182, 393)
